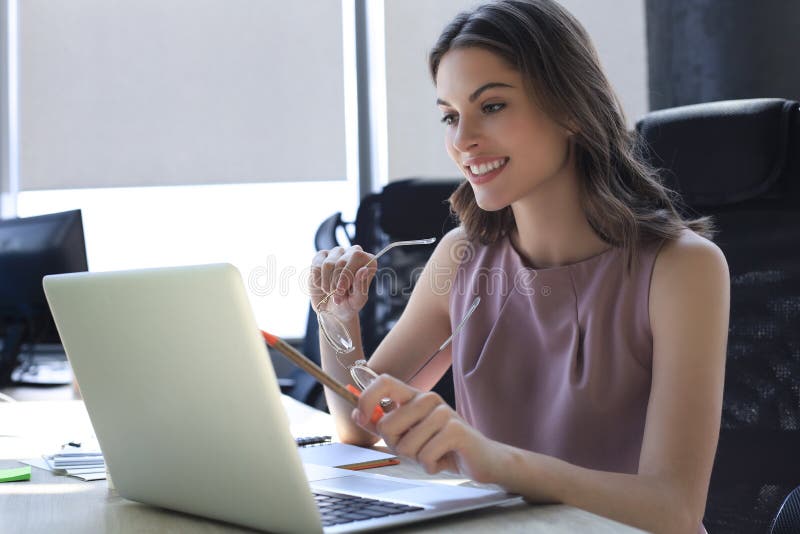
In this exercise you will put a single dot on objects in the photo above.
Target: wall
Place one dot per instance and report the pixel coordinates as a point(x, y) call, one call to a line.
point(415, 135)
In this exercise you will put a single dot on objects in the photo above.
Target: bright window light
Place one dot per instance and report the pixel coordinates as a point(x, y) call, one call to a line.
point(265, 230)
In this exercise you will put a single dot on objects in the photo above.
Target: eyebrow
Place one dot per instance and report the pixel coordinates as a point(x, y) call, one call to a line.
point(474, 96)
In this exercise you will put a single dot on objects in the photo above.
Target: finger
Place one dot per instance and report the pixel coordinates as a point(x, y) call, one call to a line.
point(413, 426)
point(336, 279)
point(316, 270)
point(360, 293)
point(349, 282)
point(345, 274)
point(356, 258)
point(398, 421)
point(382, 387)
point(318, 258)
point(364, 279)
point(438, 453)
point(328, 265)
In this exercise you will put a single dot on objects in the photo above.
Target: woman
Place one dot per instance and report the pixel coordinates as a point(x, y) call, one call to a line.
point(596, 379)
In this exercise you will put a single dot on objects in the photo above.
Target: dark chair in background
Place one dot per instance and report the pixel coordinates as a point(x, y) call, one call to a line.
point(739, 162)
point(414, 208)
point(787, 521)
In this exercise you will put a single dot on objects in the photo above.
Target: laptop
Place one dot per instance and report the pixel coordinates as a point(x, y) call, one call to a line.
point(186, 407)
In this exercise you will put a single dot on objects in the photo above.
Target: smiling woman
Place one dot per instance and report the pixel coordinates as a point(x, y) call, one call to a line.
point(558, 101)
point(599, 383)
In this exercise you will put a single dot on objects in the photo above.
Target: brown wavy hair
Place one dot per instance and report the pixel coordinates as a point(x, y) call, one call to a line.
point(622, 196)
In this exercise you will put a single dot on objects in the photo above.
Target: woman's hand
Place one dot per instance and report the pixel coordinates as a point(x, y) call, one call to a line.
point(424, 428)
point(346, 272)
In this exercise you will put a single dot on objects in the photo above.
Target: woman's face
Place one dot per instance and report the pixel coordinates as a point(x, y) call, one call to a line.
point(488, 124)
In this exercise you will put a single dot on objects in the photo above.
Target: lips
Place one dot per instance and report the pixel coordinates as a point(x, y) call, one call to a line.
point(479, 179)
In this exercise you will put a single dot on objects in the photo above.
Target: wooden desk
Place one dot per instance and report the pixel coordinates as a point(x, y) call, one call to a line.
point(51, 503)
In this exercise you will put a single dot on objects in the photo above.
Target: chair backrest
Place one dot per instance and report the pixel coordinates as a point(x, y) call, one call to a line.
point(414, 208)
point(787, 520)
point(739, 161)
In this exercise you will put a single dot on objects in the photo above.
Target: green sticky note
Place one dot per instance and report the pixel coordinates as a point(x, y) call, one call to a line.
point(15, 475)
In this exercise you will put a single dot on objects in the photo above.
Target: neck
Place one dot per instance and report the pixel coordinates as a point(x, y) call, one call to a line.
point(552, 229)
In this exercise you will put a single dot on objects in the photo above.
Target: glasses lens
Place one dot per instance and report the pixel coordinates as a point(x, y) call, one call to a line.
point(334, 332)
point(362, 374)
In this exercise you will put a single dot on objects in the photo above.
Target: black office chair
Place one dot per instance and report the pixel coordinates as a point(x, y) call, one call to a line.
point(414, 208)
point(738, 161)
point(787, 521)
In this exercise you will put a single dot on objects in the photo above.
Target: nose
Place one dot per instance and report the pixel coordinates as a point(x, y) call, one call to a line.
point(466, 136)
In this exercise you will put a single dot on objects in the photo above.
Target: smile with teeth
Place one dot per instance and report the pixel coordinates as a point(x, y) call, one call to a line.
point(478, 170)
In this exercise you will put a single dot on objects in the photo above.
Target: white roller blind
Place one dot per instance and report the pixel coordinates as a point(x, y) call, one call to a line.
point(415, 135)
point(168, 92)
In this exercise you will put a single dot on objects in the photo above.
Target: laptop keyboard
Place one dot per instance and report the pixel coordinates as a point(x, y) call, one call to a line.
point(337, 508)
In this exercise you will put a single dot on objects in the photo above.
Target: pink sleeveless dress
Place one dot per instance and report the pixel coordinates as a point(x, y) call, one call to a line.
point(556, 360)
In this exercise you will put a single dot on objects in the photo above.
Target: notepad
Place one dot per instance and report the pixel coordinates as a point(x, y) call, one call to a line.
point(17, 474)
point(345, 456)
point(84, 462)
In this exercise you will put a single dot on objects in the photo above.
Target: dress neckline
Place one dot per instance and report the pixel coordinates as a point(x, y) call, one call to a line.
point(524, 262)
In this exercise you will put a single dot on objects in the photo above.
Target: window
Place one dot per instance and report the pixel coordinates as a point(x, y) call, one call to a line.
point(192, 131)
point(265, 230)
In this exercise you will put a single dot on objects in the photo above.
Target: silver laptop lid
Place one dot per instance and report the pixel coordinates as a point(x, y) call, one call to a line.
point(135, 340)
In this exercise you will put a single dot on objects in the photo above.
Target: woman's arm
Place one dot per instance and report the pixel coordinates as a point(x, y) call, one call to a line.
point(425, 322)
point(422, 327)
point(351, 295)
point(338, 407)
point(689, 307)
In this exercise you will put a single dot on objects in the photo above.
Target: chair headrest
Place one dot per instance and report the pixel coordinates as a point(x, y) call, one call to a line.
point(415, 208)
point(720, 153)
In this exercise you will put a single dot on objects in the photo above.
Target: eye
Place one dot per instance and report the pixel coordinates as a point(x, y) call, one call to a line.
point(492, 108)
point(446, 118)
point(501, 106)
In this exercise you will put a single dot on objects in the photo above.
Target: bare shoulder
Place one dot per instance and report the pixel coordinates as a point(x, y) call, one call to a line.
point(440, 271)
point(690, 274)
point(689, 254)
point(452, 248)
point(455, 237)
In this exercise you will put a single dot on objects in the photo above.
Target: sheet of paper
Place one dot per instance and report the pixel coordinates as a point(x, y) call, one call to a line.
point(37, 462)
point(86, 470)
point(84, 473)
point(91, 476)
point(341, 455)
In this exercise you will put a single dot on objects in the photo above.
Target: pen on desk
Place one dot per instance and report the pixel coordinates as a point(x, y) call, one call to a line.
point(350, 394)
point(312, 440)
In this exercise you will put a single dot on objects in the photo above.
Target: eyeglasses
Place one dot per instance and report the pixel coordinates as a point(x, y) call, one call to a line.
point(364, 376)
point(333, 330)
